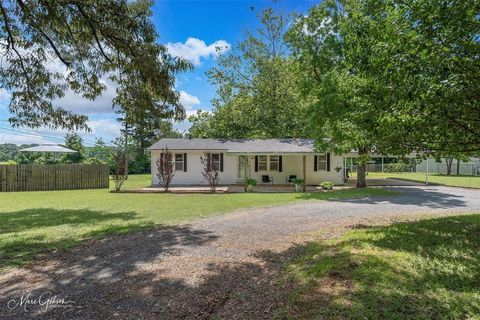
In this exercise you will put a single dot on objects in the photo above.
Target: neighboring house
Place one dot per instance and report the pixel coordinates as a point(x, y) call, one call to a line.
point(277, 158)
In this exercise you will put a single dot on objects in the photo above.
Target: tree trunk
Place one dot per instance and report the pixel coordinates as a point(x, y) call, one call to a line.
point(449, 162)
point(458, 167)
point(362, 168)
point(126, 150)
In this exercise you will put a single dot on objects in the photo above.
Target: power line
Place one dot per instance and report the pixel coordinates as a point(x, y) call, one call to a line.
point(38, 135)
point(86, 140)
point(25, 130)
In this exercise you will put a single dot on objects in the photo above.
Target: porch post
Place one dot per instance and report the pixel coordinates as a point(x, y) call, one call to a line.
point(304, 173)
point(246, 160)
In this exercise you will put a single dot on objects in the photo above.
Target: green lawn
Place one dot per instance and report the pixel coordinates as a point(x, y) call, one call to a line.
point(442, 179)
point(33, 222)
point(419, 270)
point(453, 180)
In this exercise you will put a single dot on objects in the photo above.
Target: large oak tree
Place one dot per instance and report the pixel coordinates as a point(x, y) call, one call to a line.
point(392, 76)
point(49, 47)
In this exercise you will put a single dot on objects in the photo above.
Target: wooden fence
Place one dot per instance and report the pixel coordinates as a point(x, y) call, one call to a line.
point(38, 177)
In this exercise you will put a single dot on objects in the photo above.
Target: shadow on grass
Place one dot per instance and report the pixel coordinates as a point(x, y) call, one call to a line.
point(398, 272)
point(422, 270)
point(28, 233)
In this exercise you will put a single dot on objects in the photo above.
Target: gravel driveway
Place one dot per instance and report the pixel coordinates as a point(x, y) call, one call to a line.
point(220, 267)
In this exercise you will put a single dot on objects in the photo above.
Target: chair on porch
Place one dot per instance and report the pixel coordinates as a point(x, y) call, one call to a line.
point(267, 180)
point(290, 180)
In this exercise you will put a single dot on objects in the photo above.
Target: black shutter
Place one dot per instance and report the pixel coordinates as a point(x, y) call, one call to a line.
point(185, 162)
point(280, 168)
point(315, 163)
point(221, 162)
point(256, 163)
point(209, 162)
point(161, 159)
point(328, 161)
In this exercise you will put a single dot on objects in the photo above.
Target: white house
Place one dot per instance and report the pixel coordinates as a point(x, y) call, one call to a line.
point(279, 159)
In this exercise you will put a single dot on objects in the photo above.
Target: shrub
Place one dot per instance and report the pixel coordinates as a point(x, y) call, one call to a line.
point(9, 163)
point(326, 185)
point(251, 182)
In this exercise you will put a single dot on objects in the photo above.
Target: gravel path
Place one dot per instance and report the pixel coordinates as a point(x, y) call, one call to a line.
point(220, 267)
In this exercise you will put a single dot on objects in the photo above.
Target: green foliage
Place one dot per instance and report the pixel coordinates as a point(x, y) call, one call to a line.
point(75, 142)
point(9, 163)
point(98, 153)
point(327, 185)
point(251, 182)
point(382, 72)
point(397, 167)
point(258, 94)
point(86, 41)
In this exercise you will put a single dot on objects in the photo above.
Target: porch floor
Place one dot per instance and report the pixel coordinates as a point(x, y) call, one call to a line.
point(227, 189)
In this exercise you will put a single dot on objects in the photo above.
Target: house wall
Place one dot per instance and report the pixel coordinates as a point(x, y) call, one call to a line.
point(193, 175)
point(291, 165)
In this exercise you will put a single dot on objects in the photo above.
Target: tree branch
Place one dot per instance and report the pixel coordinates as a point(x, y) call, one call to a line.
point(49, 40)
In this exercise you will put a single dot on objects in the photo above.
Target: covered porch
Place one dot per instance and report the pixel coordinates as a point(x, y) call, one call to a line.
point(279, 170)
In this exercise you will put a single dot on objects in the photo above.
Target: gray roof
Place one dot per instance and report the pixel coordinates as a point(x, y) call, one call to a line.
point(239, 145)
point(49, 148)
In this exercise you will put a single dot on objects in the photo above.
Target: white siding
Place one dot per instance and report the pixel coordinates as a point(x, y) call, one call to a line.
point(193, 175)
point(292, 165)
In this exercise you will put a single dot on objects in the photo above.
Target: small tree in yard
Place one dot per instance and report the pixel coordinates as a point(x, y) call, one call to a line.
point(210, 171)
point(120, 172)
point(165, 169)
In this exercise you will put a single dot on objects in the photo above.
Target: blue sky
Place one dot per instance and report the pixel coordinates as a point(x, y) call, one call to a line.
point(191, 29)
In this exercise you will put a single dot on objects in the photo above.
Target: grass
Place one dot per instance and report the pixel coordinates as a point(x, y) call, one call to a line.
point(441, 179)
point(429, 269)
point(34, 222)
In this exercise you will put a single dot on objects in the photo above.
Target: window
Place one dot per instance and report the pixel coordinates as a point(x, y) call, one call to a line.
point(262, 163)
point(322, 162)
point(179, 162)
point(274, 160)
point(216, 161)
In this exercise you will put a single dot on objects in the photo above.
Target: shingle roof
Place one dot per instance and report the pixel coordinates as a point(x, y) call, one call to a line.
point(238, 146)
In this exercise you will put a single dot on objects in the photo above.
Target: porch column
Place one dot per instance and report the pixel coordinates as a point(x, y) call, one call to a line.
point(246, 160)
point(304, 173)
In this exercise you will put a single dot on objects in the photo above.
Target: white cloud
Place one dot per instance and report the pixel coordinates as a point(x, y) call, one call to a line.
point(105, 128)
point(194, 49)
point(188, 101)
point(77, 104)
point(4, 95)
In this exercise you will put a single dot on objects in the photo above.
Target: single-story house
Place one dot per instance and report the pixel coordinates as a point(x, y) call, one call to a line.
point(251, 158)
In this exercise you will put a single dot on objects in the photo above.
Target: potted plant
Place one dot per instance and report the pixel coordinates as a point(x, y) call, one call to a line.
point(298, 184)
point(250, 184)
